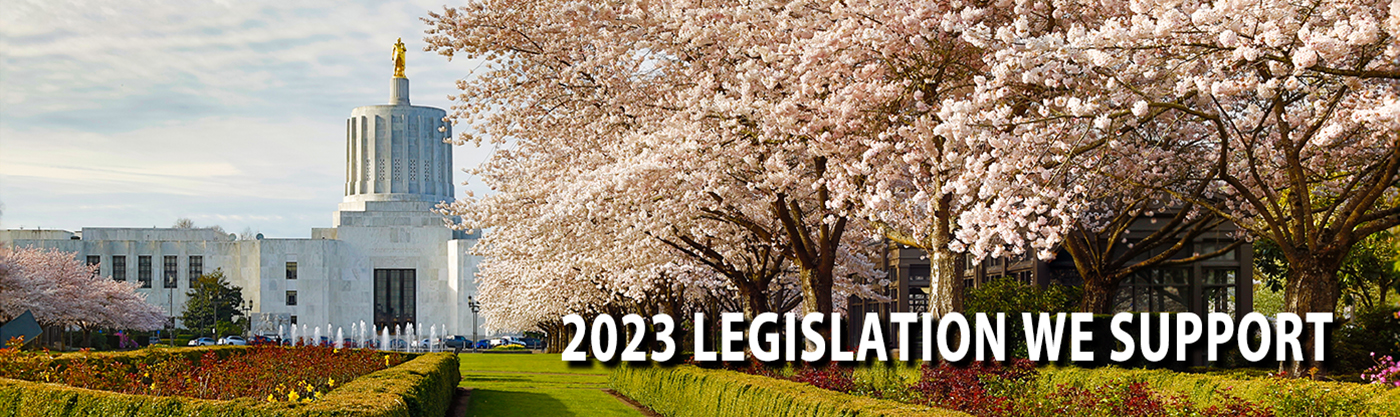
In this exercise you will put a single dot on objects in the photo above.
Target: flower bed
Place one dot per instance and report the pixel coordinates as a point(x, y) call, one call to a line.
point(422, 386)
point(264, 372)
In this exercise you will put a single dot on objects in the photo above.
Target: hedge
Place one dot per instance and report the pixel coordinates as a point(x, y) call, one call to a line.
point(423, 386)
point(141, 355)
point(1287, 397)
point(684, 390)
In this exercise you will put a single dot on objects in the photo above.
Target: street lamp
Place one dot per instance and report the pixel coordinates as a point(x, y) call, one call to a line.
point(476, 307)
point(247, 306)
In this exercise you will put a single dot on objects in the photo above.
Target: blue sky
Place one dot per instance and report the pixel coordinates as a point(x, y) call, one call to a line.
point(230, 113)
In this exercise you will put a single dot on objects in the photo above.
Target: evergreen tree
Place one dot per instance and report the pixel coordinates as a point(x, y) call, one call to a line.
point(210, 298)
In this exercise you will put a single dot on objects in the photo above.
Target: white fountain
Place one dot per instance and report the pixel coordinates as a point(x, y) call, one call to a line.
point(432, 340)
point(412, 338)
point(280, 333)
point(317, 340)
point(339, 339)
point(384, 341)
point(293, 340)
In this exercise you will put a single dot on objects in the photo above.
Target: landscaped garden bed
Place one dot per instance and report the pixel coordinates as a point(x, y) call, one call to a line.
point(685, 390)
point(1014, 389)
point(228, 381)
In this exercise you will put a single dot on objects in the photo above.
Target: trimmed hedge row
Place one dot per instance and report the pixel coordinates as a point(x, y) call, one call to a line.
point(684, 390)
point(423, 386)
point(141, 355)
point(1287, 397)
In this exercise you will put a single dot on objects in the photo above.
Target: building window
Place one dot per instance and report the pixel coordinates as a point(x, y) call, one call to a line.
point(918, 273)
point(119, 268)
point(291, 270)
point(143, 270)
point(294, 319)
point(918, 301)
point(291, 298)
point(196, 268)
point(1155, 290)
point(1218, 291)
point(171, 272)
point(95, 260)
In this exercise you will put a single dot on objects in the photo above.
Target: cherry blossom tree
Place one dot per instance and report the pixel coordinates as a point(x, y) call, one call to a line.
point(664, 135)
point(875, 77)
point(61, 290)
point(1293, 103)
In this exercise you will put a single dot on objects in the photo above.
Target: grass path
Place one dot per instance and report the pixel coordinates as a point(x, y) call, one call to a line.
point(538, 385)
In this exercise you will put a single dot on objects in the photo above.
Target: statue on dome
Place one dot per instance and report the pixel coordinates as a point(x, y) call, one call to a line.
point(398, 58)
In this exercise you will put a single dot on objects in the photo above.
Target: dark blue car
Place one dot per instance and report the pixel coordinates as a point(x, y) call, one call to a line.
point(457, 342)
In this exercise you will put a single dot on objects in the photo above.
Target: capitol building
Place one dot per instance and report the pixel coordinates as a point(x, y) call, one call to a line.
point(386, 258)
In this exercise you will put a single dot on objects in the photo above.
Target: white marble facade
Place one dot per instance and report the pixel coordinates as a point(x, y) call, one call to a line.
point(397, 169)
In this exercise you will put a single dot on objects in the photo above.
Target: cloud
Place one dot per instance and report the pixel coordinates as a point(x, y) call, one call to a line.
point(135, 113)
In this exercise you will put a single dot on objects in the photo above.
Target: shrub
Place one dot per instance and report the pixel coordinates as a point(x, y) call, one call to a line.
point(1369, 331)
point(1386, 371)
point(832, 377)
point(1006, 295)
point(685, 390)
point(983, 388)
point(1282, 396)
point(512, 346)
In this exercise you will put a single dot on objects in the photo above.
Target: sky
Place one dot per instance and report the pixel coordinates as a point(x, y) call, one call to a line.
point(229, 113)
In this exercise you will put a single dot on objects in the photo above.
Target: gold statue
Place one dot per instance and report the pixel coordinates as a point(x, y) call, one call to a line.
point(398, 57)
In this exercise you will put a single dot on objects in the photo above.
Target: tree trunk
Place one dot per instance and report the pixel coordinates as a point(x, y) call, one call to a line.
point(556, 337)
point(816, 290)
point(1099, 292)
point(943, 297)
point(1312, 288)
point(755, 299)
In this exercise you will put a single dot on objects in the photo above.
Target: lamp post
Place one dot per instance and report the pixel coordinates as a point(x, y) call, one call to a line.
point(170, 326)
point(476, 307)
point(247, 306)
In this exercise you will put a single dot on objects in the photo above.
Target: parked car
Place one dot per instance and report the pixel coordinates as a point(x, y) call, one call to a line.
point(263, 340)
point(483, 344)
point(398, 344)
point(531, 343)
point(457, 342)
point(203, 341)
point(233, 340)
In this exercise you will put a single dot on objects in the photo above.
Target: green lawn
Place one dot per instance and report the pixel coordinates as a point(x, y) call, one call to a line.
point(538, 385)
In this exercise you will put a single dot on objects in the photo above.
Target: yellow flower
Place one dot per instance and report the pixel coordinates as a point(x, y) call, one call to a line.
point(292, 396)
point(153, 386)
point(271, 399)
point(331, 382)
